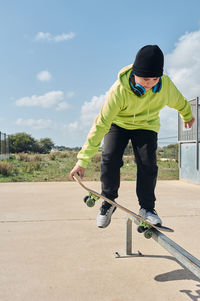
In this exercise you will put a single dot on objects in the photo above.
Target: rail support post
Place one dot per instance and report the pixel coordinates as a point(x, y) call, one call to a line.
point(182, 256)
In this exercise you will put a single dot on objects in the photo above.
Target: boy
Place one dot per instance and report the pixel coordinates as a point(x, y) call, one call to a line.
point(131, 112)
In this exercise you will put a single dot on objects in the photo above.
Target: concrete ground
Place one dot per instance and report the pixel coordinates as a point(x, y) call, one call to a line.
point(51, 249)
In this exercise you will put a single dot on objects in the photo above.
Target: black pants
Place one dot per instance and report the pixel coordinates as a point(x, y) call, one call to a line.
point(144, 144)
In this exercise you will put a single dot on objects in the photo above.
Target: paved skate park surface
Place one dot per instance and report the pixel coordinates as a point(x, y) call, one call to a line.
point(51, 249)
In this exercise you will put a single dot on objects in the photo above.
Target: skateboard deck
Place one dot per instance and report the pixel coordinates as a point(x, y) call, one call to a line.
point(144, 226)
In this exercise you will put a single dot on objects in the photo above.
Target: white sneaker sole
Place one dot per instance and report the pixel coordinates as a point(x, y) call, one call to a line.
point(103, 221)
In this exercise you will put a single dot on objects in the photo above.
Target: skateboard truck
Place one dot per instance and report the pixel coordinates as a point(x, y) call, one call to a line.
point(90, 199)
point(146, 229)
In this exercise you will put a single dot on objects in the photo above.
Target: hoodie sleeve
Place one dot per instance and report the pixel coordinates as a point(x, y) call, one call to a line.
point(178, 102)
point(101, 126)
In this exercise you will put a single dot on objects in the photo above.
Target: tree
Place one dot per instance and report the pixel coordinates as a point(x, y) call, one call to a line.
point(170, 151)
point(129, 149)
point(45, 145)
point(22, 142)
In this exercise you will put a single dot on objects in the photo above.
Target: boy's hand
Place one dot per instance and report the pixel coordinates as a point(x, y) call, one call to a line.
point(189, 124)
point(77, 169)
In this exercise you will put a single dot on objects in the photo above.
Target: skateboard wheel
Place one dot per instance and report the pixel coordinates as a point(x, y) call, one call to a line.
point(148, 234)
point(140, 229)
point(90, 202)
point(85, 198)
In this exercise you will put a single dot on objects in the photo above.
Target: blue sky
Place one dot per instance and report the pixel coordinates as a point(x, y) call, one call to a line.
point(59, 58)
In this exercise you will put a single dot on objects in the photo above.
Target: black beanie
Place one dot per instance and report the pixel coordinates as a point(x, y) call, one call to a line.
point(149, 62)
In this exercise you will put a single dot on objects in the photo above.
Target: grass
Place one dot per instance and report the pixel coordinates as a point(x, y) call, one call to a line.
point(57, 166)
point(167, 170)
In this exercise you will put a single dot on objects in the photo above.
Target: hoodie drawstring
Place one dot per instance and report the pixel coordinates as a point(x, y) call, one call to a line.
point(148, 110)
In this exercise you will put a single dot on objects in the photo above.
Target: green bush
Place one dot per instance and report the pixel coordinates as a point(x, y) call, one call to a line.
point(96, 158)
point(24, 157)
point(6, 168)
point(37, 157)
point(32, 166)
point(29, 157)
point(63, 155)
point(52, 156)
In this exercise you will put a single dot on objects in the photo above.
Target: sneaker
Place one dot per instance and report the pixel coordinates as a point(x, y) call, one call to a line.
point(150, 216)
point(104, 215)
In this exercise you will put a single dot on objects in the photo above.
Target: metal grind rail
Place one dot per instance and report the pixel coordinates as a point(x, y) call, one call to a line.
point(185, 258)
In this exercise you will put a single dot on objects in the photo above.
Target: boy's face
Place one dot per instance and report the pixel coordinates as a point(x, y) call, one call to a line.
point(146, 82)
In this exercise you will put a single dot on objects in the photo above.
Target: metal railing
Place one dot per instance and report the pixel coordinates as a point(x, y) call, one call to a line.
point(192, 134)
point(181, 255)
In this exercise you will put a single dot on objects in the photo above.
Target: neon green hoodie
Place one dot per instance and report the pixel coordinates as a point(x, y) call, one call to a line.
point(123, 108)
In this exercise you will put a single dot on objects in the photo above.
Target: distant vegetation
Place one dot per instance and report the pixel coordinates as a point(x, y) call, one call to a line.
point(166, 152)
point(56, 166)
point(22, 142)
point(34, 161)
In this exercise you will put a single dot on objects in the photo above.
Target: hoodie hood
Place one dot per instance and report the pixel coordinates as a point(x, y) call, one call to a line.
point(123, 77)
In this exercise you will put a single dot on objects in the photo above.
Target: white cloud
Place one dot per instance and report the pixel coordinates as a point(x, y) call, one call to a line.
point(62, 106)
point(90, 110)
point(183, 67)
point(47, 100)
point(183, 64)
point(70, 94)
point(44, 76)
point(169, 125)
point(46, 36)
point(64, 37)
point(35, 124)
point(73, 126)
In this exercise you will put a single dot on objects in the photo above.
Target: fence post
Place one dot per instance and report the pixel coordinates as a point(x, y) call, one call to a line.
point(0, 142)
point(4, 144)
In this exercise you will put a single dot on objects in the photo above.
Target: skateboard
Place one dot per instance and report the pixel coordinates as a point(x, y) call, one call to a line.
point(143, 225)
